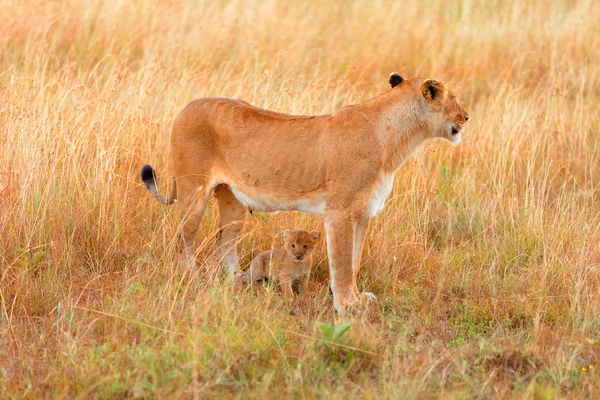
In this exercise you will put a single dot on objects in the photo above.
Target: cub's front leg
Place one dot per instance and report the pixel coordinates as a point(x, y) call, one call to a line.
point(303, 284)
point(285, 282)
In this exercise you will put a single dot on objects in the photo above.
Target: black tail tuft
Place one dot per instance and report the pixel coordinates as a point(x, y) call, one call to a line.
point(148, 174)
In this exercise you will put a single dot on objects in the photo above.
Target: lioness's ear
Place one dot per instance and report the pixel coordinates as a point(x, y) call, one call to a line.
point(286, 234)
point(315, 235)
point(395, 79)
point(432, 89)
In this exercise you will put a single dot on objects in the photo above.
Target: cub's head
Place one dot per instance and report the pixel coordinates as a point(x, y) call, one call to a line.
point(440, 109)
point(300, 244)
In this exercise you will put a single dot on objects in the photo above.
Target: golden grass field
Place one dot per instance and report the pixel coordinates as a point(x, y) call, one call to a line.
point(485, 261)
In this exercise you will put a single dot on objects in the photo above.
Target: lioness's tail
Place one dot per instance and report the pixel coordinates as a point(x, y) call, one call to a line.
point(149, 178)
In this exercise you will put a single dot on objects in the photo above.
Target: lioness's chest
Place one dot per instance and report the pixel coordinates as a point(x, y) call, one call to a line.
point(379, 193)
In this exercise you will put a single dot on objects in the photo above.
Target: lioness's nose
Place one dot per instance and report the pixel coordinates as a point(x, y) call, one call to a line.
point(466, 117)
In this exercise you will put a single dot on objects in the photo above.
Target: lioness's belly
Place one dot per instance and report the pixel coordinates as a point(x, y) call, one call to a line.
point(256, 200)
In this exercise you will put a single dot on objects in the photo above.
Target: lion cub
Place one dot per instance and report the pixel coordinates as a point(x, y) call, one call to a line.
point(288, 264)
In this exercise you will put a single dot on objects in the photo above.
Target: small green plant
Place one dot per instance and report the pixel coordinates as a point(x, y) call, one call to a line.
point(471, 324)
point(331, 333)
point(332, 342)
point(29, 257)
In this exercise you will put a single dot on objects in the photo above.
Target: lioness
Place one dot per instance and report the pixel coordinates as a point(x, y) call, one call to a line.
point(341, 166)
point(288, 264)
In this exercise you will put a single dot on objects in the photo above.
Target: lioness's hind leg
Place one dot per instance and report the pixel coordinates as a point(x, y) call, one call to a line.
point(232, 214)
point(192, 200)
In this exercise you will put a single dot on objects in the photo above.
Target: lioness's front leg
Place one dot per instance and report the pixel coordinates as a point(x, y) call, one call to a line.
point(340, 247)
point(360, 236)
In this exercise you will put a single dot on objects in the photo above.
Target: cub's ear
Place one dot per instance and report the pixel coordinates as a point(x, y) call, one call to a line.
point(395, 79)
point(432, 89)
point(286, 234)
point(315, 235)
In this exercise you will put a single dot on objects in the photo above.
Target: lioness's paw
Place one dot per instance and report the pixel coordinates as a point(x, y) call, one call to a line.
point(347, 305)
point(239, 279)
point(186, 264)
point(367, 298)
point(355, 304)
point(230, 265)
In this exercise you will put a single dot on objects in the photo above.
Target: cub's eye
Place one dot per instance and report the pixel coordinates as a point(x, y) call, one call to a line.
point(306, 246)
point(293, 246)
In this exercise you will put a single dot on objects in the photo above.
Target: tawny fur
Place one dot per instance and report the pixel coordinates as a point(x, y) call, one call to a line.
point(288, 264)
point(341, 166)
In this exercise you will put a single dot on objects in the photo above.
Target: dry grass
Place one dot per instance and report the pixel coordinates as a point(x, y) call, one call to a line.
point(485, 261)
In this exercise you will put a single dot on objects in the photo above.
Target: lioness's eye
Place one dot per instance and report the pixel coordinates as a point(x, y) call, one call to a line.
point(293, 246)
point(306, 246)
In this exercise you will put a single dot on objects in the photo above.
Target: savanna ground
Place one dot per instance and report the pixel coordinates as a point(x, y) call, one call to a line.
point(486, 260)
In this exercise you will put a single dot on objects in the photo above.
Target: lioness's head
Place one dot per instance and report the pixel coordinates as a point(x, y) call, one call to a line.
point(442, 112)
point(300, 244)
